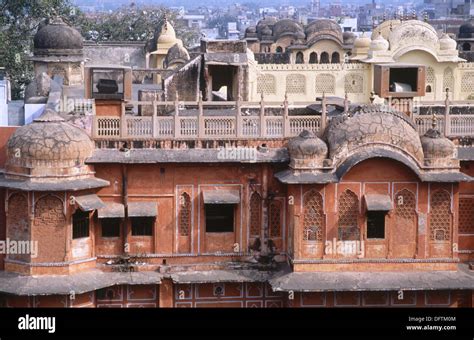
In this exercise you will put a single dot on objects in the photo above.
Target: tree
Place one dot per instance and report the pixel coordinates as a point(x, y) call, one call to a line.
point(19, 22)
point(133, 23)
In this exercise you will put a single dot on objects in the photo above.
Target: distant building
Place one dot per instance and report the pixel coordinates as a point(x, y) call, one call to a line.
point(348, 24)
point(193, 20)
point(5, 97)
point(232, 32)
point(313, 182)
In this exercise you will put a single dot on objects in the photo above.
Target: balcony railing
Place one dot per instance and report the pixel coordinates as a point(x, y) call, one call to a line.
point(206, 124)
point(205, 120)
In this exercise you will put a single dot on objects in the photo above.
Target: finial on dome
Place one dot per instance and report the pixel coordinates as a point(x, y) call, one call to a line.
point(414, 16)
point(425, 18)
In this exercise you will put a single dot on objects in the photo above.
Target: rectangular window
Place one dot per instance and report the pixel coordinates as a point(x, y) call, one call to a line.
point(80, 224)
point(110, 227)
point(376, 224)
point(219, 218)
point(142, 226)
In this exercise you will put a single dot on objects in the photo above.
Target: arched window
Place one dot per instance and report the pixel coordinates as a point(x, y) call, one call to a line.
point(255, 214)
point(184, 214)
point(348, 224)
point(17, 222)
point(313, 222)
point(295, 83)
point(335, 58)
point(466, 46)
point(430, 79)
point(50, 218)
point(448, 80)
point(313, 58)
point(279, 49)
point(325, 83)
point(405, 208)
point(274, 214)
point(354, 83)
point(266, 84)
point(324, 58)
point(440, 216)
point(299, 58)
point(466, 217)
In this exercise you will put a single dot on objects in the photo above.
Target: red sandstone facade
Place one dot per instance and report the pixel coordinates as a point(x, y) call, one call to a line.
point(282, 215)
point(355, 210)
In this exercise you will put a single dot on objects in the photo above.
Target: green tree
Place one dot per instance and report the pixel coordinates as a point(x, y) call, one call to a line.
point(133, 23)
point(19, 21)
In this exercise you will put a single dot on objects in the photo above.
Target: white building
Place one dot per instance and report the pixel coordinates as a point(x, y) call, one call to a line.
point(5, 97)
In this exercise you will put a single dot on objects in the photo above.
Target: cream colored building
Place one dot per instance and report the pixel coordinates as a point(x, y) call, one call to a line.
point(410, 42)
point(165, 41)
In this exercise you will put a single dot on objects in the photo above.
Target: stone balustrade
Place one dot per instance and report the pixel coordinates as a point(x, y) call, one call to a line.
point(242, 120)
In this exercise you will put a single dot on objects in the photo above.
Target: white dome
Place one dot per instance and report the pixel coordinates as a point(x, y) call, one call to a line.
point(167, 35)
point(379, 44)
point(446, 43)
point(362, 42)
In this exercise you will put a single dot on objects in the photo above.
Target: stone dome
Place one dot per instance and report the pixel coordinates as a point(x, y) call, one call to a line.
point(177, 54)
point(287, 27)
point(373, 126)
point(251, 29)
point(265, 24)
point(379, 44)
point(436, 146)
point(446, 43)
point(57, 38)
point(48, 147)
point(348, 38)
point(167, 34)
point(362, 41)
point(324, 27)
point(251, 32)
point(266, 31)
point(267, 21)
point(307, 151)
